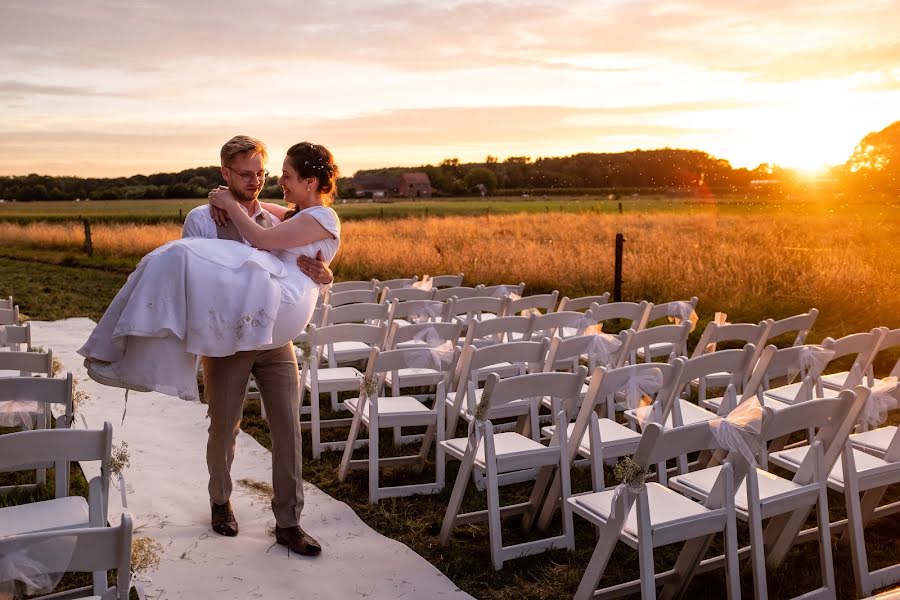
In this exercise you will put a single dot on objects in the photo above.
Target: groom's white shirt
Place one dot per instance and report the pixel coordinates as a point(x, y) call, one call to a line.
point(198, 222)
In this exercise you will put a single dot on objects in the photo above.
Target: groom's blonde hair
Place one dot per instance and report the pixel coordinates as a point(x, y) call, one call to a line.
point(240, 144)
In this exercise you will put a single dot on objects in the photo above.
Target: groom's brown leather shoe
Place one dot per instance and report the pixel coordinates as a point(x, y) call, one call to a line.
point(297, 540)
point(223, 519)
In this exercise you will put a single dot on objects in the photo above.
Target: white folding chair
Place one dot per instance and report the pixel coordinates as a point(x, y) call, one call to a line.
point(475, 364)
point(335, 299)
point(477, 308)
point(493, 455)
point(393, 284)
point(647, 344)
point(876, 438)
point(6, 302)
point(533, 305)
point(801, 324)
point(446, 281)
point(24, 449)
point(351, 351)
point(765, 495)
point(677, 312)
point(502, 290)
point(16, 337)
point(353, 286)
point(405, 294)
point(595, 434)
point(499, 330)
point(563, 324)
point(28, 402)
point(618, 316)
point(9, 316)
point(417, 311)
point(80, 550)
point(648, 515)
point(582, 303)
point(374, 411)
point(851, 473)
point(459, 292)
point(715, 335)
point(331, 378)
point(863, 347)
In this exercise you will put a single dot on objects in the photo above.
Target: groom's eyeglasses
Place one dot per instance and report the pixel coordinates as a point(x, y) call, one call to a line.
point(250, 177)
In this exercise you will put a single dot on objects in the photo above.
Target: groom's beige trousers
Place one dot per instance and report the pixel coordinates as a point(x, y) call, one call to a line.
point(277, 377)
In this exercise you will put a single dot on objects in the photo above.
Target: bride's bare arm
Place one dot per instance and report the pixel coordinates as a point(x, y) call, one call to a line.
point(299, 230)
point(275, 209)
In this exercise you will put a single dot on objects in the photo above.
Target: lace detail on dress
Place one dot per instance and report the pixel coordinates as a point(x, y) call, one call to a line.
point(222, 327)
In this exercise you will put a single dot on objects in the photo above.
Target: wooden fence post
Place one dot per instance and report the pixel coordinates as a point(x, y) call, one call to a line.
point(617, 282)
point(620, 208)
point(88, 245)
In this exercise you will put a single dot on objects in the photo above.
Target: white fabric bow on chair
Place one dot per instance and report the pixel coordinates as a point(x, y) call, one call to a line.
point(425, 313)
point(436, 355)
point(880, 401)
point(603, 348)
point(682, 311)
point(719, 318)
point(812, 356)
point(425, 284)
point(15, 413)
point(739, 430)
point(638, 386)
point(39, 565)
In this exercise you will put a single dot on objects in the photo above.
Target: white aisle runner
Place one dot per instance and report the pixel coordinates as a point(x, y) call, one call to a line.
point(167, 495)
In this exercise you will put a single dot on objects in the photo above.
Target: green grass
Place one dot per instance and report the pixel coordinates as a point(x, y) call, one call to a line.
point(156, 211)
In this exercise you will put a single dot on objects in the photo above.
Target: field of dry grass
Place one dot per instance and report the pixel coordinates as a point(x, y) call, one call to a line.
point(751, 266)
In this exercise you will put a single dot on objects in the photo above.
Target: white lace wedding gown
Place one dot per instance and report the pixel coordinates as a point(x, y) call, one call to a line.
point(205, 297)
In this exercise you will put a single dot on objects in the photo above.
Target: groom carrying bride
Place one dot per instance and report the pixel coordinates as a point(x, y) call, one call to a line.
point(275, 370)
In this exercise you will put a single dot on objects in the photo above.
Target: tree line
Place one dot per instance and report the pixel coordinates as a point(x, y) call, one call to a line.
point(873, 166)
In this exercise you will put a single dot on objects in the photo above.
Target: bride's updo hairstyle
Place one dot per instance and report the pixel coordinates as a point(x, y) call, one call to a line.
point(313, 160)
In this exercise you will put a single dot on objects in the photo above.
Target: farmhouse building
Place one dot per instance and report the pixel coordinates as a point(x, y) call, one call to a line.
point(407, 185)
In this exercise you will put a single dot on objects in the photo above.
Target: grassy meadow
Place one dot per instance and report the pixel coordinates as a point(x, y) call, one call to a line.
point(750, 260)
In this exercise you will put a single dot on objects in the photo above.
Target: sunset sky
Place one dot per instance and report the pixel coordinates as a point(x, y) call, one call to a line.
point(108, 88)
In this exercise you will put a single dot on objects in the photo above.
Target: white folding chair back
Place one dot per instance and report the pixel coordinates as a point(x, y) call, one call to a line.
point(502, 290)
point(582, 303)
point(6, 302)
point(533, 305)
point(363, 312)
point(496, 456)
point(418, 311)
point(335, 299)
point(802, 324)
point(499, 330)
point(405, 294)
point(674, 309)
point(16, 337)
point(81, 550)
point(29, 402)
point(24, 450)
point(475, 308)
point(447, 281)
point(459, 292)
point(863, 347)
point(636, 313)
point(563, 324)
point(663, 340)
point(353, 286)
point(393, 284)
point(475, 364)
point(9, 316)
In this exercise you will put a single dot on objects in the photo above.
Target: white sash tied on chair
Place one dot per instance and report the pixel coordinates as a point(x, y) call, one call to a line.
point(633, 483)
point(15, 413)
point(38, 565)
point(426, 284)
point(441, 350)
point(603, 348)
point(505, 291)
point(739, 430)
point(682, 311)
point(719, 318)
point(431, 357)
point(426, 313)
point(811, 356)
point(638, 386)
point(880, 401)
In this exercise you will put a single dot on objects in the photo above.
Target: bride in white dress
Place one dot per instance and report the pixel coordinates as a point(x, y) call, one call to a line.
point(211, 297)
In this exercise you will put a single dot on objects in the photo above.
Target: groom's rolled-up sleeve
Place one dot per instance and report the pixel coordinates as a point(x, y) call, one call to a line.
point(198, 223)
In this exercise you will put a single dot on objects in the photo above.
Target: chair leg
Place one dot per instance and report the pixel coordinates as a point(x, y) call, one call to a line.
point(315, 420)
point(599, 559)
point(758, 557)
point(456, 498)
point(351, 442)
point(494, 522)
point(645, 562)
point(826, 564)
point(857, 539)
point(373, 458)
point(732, 566)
